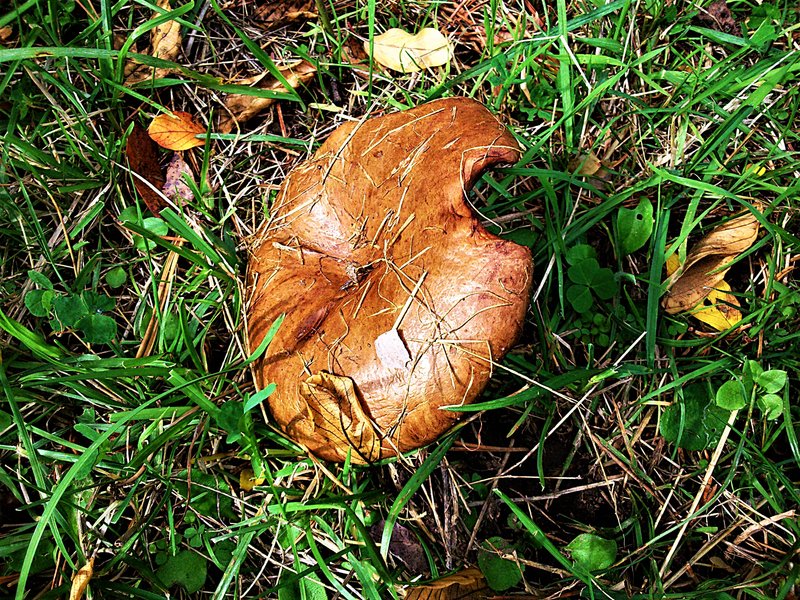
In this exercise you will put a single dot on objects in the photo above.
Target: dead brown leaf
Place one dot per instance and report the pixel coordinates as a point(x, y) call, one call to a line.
point(468, 584)
point(404, 546)
point(176, 131)
point(717, 16)
point(353, 53)
point(5, 34)
point(175, 186)
point(708, 262)
point(337, 414)
point(585, 164)
point(143, 161)
point(277, 13)
point(241, 107)
point(165, 42)
point(81, 580)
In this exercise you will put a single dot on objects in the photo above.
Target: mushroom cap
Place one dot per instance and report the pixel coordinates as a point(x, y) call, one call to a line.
point(397, 301)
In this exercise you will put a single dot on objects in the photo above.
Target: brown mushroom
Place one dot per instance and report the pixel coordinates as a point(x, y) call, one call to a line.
point(397, 300)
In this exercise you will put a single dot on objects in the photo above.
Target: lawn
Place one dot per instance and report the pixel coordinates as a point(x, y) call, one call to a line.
point(639, 440)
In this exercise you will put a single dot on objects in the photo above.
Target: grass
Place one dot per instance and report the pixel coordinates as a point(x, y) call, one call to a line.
point(121, 442)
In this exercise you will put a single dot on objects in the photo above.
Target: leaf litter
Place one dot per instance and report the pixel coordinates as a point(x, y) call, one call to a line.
point(700, 280)
point(165, 43)
point(143, 160)
point(401, 51)
point(242, 107)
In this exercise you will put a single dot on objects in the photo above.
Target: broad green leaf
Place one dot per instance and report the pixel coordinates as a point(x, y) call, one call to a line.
point(155, 226)
point(229, 417)
point(309, 588)
point(186, 569)
point(584, 271)
point(98, 329)
point(772, 381)
point(39, 302)
point(5, 420)
point(40, 279)
point(580, 298)
point(634, 226)
point(751, 371)
point(593, 552)
point(116, 277)
point(694, 422)
point(98, 303)
point(603, 284)
point(771, 405)
point(580, 253)
point(69, 309)
point(501, 574)
point(730, 395)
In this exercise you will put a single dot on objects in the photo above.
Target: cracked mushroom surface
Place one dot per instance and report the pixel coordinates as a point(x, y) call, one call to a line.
point(397, 300)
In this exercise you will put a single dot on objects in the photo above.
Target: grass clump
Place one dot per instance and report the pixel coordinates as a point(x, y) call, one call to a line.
point(624, 452)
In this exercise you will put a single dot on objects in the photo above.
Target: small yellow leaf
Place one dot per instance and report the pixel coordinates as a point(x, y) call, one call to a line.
point(468, 583)
point(81, 580)
point(585, 164)
point(719, 309)
point(401, 51)
point(177, 131)
point(248, 480)
point(673, 264)
point(708, 262)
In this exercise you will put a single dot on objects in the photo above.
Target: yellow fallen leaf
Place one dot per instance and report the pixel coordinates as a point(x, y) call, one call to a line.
point(248, 480)
point(339, 417)
point(585, 164)
point(401, 51)
point(719, 309)
point(176, 131)
point(81, 580)
point(708, 262)
point(241, 107)
point(673, 264)
point(165, 42)
point(466, 584)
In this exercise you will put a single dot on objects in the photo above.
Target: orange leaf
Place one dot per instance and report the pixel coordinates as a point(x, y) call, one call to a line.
point(177, 131)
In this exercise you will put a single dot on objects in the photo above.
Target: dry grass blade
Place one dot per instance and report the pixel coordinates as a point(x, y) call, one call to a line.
point(81, 580)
